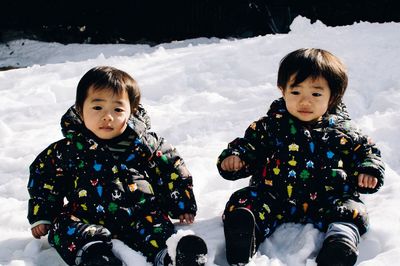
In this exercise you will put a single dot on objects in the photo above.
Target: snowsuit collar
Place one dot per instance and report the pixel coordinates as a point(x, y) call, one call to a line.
point(72, 124)
point(338, 118)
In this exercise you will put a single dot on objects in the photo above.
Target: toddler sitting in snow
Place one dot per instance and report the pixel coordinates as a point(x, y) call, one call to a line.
point(307, 164)
point(111, 178)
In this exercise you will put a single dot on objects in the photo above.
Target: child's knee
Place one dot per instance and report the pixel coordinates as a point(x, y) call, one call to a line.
point(359, 214)
point(243, 198)
point(352, 211)
point(94, 232)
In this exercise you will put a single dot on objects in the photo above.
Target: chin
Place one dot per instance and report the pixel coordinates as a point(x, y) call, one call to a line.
point(105, 137)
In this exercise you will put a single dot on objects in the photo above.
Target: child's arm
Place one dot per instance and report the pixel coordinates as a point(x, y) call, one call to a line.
point(45, 188)
point(370, 169)
point(171, 180)
point(239, 160)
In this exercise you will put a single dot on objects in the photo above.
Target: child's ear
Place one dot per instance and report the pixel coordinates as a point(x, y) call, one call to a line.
point(333, 102)
point(79, 112)
point(282, 90)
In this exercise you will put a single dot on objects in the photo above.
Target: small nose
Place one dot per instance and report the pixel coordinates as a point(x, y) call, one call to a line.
point(107, 117)
point(305, 101)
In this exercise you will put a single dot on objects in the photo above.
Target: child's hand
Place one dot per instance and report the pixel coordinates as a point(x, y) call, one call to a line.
point(232, 163)
point(186, 218)
point(367, 181)
point(40, 230)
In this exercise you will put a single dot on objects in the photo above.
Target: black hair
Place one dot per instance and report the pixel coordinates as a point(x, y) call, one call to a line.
point(106, 77)
point(313, 62)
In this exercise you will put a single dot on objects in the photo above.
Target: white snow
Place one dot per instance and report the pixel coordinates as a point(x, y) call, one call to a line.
point(201, 94)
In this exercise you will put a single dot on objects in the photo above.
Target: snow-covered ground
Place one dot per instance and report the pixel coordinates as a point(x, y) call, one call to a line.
point(201, 94)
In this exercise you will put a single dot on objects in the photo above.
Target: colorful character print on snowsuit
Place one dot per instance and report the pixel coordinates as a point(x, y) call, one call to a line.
point(303, 173)
point(130, 194)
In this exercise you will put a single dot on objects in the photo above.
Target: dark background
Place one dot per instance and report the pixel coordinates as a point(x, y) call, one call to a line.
point(156, 21)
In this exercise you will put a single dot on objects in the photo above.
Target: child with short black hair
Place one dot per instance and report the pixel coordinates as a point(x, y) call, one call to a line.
point(118, 179)
point(307, 164)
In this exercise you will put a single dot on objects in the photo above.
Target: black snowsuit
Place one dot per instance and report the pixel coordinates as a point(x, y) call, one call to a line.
point(76, 182)
point(303, 173)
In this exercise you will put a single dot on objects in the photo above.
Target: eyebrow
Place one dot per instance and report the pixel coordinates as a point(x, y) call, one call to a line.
point(318, 87)
point(97, 100)
point(314, 87)
point(103, 100)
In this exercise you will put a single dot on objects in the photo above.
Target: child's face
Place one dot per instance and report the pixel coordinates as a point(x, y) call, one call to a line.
point(106, 114)
point(309, 100)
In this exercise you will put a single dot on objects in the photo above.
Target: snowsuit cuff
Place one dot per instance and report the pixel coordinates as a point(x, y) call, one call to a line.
point(40, 222)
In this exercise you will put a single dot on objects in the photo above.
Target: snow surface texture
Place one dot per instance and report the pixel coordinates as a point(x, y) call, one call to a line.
point(201, 94)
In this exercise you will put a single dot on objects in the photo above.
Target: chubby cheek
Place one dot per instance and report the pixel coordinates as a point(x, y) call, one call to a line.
point(91, 125)
point(124, 125)
point(123, 121)
point(290, 106)
point(324, 107)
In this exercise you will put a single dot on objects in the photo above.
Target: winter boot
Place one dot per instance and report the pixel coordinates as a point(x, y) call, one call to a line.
point(191, 251)
point(239, 229)
point(97, 253)
point(336, 251)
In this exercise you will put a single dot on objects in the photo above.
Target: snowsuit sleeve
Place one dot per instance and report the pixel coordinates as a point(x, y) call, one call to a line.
point(367, 158)
point(172, 182)
point(252, 149)
point(45, 186)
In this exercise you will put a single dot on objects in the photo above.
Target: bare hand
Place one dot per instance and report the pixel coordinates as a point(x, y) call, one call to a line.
point(40, 230)
point(186, 218)
point(367, 181)
point(232, 163)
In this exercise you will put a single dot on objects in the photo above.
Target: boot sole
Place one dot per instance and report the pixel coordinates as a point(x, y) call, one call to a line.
point(239, 229)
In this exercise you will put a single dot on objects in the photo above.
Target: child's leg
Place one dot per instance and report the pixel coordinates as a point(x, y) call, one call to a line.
point(264, 206)
point(240, 239)
point(146, 232)
point(347, 231)
point(340, 245)
point(347, 219)
point(251, 226)
point(73, 240)
point(351, 211)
